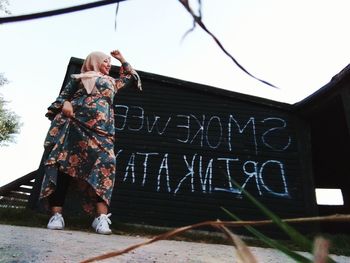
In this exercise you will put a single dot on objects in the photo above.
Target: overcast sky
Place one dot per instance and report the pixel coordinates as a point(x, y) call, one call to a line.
point(297, 45)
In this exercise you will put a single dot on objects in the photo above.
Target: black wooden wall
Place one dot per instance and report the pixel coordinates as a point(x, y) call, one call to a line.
point(178, 143)
point(328, 112)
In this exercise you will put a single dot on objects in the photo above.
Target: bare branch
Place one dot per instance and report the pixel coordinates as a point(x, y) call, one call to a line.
point(198, 20)
point(56, 12)
point(218, 224)
point(116, 14)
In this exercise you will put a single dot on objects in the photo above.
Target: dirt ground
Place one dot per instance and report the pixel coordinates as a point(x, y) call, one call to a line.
point(28, 244)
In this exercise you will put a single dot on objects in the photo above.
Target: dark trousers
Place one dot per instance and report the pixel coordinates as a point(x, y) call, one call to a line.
point(58, 197)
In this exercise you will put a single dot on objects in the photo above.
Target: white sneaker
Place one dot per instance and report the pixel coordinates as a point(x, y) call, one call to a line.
point(56, 222)
point(101, 224)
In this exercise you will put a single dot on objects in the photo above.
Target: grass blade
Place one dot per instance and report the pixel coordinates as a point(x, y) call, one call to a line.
point(272, 243)
point(242, 251)
point(298, 238)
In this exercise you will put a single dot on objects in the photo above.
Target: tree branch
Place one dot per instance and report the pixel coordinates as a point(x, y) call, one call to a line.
point(12, 19)
point(198, 20)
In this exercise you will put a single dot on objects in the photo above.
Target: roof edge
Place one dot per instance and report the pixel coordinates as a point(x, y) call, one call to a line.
point(323, 93)
point(205, 88)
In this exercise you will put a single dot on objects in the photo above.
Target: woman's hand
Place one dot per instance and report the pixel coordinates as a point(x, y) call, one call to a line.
point(118, 55)
point(67, 109)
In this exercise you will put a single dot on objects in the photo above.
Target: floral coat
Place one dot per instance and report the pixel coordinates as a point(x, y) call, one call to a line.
point(82, 146)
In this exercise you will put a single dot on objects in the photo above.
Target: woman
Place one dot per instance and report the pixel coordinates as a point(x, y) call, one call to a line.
point(79, 146)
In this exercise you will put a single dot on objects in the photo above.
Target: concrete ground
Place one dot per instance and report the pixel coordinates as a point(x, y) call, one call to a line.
point(29, 244)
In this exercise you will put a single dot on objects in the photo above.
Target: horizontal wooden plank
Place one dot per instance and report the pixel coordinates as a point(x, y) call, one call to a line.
point(18, 195)
point(13, 201)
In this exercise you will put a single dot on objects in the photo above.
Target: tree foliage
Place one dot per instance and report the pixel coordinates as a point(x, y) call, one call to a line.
point(3, 7)
point(9, 121)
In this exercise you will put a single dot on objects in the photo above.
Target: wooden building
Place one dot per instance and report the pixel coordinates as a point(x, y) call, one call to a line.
point(178, 144)
point(328, 113)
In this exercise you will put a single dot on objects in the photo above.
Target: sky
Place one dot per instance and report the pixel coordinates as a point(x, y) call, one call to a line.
point(297, 45)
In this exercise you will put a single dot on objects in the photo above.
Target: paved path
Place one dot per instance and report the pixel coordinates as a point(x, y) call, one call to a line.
point(28, 244)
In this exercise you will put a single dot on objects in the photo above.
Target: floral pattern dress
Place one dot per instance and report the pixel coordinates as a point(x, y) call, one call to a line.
point(82, 146)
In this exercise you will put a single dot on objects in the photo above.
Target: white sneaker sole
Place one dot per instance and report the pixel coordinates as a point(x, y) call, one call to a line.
point(55, 228)
point(104, 232)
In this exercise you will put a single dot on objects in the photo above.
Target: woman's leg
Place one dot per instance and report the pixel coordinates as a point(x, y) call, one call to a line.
point(101, 206)
point(101, 222)
point(56, 201)
point(57, 198)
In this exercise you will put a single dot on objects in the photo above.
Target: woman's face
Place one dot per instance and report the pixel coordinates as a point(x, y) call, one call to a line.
point(105, 66)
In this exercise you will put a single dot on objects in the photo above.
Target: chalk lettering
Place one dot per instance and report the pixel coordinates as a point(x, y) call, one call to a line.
point(207, 132)
point(155, 124)
point(254, 173)
point(241, 130)
point(190, 173)
point(145, 164)
point(247, 136)
point(206, 181)
point(164, 166)
point(281, 169)
point(123, 116)
point(141, 117)
point(130, 165)
point(283, 126)
point(200, 129)
point(187, 127)
point(117, 154)
point(228, 176)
